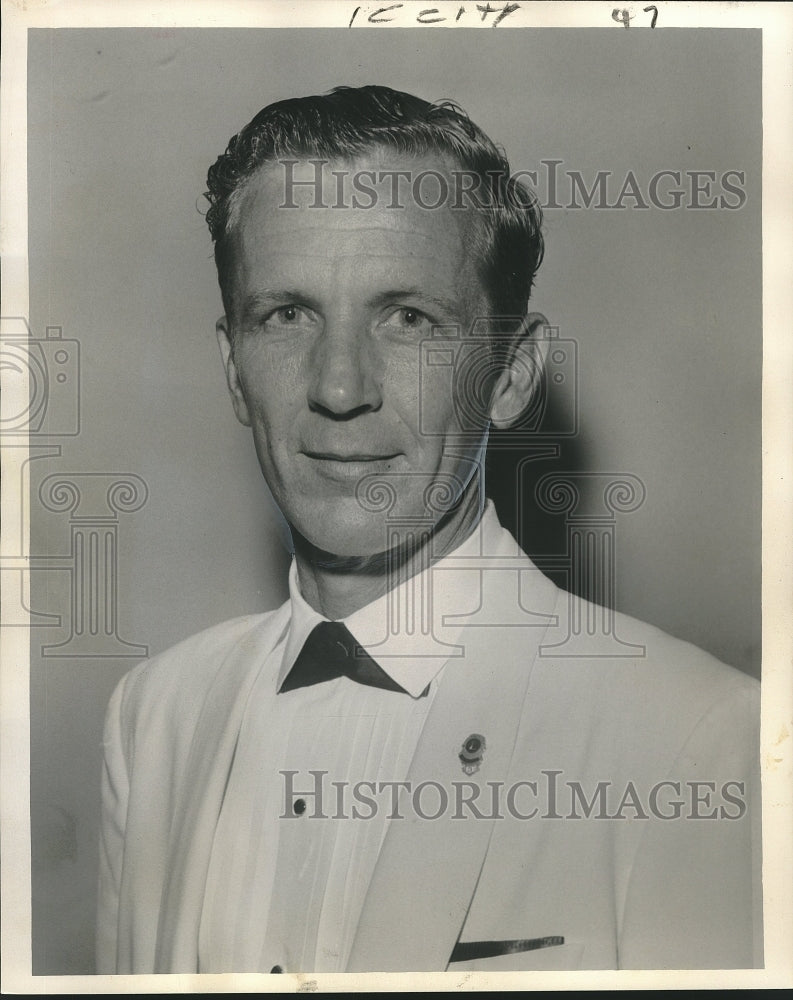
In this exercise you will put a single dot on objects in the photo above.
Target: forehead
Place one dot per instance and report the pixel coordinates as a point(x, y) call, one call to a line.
point(378, 212)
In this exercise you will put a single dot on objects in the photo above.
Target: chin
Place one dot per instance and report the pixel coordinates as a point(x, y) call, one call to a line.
point(348, 534)
point(375, 522)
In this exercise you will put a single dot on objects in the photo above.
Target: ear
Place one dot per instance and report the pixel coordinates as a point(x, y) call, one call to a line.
point(232, 375)
point(522, 377)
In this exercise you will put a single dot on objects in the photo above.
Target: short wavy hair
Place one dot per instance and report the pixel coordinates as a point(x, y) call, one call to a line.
point(349, 121)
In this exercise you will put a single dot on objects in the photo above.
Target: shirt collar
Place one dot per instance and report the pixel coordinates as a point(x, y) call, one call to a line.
point(410, 651)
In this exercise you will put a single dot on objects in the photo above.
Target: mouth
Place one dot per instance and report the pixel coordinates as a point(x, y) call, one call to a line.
point(350, 465)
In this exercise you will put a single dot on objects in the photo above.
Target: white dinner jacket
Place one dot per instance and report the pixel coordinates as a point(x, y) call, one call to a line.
point(549, 698)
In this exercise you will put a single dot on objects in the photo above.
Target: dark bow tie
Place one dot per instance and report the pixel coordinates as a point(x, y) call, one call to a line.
point(332, 651)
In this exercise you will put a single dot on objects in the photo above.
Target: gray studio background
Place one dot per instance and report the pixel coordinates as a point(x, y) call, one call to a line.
point(665, 308)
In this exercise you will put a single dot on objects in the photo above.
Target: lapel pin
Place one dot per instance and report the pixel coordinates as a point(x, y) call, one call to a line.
point(472, 752)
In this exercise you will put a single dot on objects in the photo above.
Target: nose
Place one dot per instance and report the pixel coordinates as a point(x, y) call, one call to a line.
point(343, 379)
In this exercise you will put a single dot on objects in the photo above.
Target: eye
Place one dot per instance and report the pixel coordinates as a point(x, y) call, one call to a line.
point(290, 317)
point(408, 318)
point(287, 314)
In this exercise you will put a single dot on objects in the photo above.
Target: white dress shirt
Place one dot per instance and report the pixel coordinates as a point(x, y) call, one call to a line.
point(286, 890)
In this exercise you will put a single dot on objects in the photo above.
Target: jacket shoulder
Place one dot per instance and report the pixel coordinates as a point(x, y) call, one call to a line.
point(636, 691)
point(682, 665)
point(636, 650)
point(172, 685)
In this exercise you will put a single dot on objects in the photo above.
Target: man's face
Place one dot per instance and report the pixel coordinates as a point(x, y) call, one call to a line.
point(328, 309)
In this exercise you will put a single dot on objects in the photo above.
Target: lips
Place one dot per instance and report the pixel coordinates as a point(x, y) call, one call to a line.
point(352, 456)
point(350, 465)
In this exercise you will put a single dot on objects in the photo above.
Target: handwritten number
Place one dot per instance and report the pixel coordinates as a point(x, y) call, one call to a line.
point(655, 14)
point(624, 17)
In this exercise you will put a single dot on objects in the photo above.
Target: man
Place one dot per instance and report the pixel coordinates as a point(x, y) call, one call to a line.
point(421, 761)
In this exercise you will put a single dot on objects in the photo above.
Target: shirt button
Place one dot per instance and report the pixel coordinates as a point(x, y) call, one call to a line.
point(276, 968)
point(299, 806)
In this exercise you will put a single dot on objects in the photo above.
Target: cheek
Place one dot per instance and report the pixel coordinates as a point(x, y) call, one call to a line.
point(272, 387)
point(435, 406)
point(451, 429)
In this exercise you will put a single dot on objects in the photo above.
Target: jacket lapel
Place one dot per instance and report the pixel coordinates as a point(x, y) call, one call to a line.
point(203, 787)
point(427, 870)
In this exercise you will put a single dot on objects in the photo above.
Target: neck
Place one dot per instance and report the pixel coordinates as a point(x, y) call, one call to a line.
point(338, 586)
